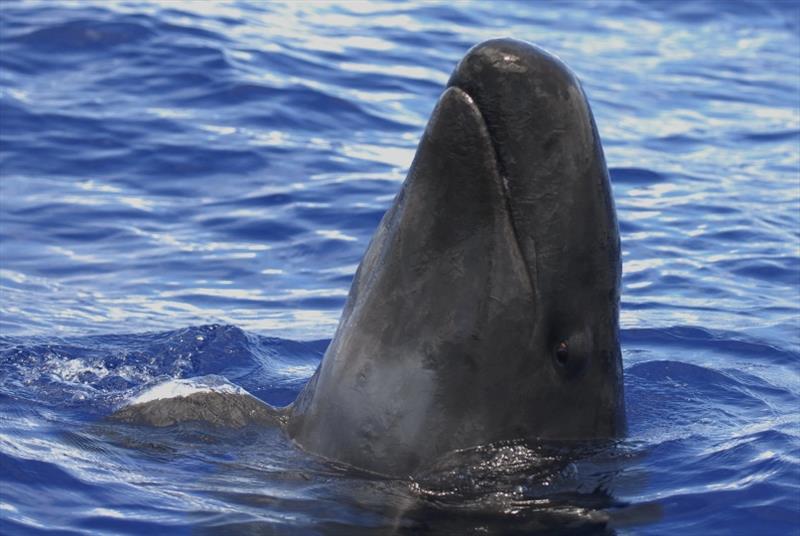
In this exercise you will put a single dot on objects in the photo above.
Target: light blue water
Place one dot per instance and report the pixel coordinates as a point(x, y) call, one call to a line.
point(186, 188)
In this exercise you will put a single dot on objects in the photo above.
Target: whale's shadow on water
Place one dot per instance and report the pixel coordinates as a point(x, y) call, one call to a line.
point(514, 487)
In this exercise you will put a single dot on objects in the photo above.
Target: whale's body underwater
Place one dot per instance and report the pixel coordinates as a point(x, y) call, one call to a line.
point(486, 305)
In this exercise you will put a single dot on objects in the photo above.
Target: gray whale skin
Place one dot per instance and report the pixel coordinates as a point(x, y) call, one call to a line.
point(486, 306)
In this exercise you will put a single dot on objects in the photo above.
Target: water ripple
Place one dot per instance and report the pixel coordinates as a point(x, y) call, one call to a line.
point(165, 165)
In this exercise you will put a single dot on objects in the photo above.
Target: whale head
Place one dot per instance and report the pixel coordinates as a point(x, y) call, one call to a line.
point(486, 306)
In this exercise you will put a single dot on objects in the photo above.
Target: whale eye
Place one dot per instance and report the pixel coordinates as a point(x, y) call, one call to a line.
point(562, 353)
point(570, 357)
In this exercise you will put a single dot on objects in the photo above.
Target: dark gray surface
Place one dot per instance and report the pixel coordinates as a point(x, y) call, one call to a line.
point(486, 306)
point(219, 409)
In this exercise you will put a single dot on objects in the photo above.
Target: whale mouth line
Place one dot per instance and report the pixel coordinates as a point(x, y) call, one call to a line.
point(504, 185)
point(501, 168)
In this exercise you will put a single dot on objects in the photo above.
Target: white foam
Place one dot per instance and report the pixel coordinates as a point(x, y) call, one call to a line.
point(177, 388)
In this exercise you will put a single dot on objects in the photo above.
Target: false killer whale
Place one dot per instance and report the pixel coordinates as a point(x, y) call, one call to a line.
point(486, 305)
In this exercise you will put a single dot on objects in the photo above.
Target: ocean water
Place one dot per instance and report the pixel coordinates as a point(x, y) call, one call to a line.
point(186, 189)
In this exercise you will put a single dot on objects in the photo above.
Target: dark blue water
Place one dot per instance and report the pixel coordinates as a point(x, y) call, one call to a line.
point(186, 189)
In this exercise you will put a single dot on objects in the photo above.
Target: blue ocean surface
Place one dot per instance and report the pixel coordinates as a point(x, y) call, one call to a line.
point(186, 189)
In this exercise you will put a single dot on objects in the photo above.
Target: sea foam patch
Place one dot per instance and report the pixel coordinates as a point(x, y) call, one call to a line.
point(207, 399)
point(186, 387)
